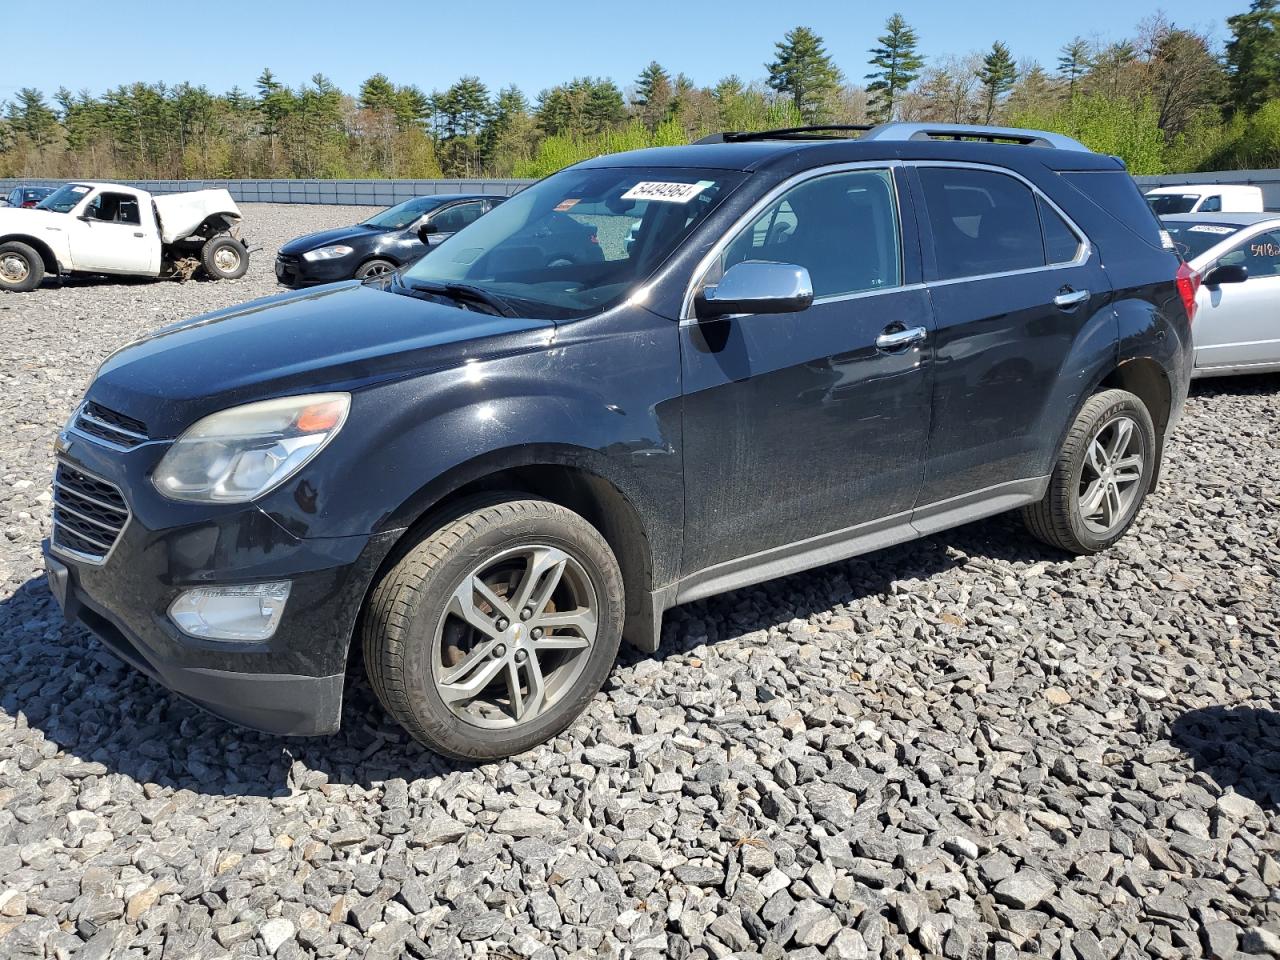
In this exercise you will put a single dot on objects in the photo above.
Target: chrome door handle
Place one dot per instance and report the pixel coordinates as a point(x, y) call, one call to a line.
point(901, 338)
point(1071, 298)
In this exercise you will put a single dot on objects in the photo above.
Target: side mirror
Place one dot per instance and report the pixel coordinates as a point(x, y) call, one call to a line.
point(756, 286)
point(426, 230)
point(1226, 273)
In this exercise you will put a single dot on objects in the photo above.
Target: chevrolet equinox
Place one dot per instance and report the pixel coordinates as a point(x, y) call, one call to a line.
point(781, 349)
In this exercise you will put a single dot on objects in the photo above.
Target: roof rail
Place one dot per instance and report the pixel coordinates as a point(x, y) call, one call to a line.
point(960, 131)
point(786, 133)
point(907, 131)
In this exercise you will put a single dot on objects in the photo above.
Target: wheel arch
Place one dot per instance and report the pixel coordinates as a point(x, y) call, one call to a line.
point(574, 478)
point(51, 267)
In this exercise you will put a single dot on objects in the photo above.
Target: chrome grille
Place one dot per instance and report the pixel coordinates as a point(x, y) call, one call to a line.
point(88, 514)
point(114, 428)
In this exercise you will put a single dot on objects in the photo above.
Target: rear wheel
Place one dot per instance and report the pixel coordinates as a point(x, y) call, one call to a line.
point(1104, 472)
point(374, 268)
point(493, 632)
point(224, 258)
point(21, 268)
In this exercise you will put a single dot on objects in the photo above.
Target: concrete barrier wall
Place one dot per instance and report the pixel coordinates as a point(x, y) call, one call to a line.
point(371, 193)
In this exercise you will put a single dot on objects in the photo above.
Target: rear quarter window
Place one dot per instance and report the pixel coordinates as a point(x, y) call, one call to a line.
point(1117, 194)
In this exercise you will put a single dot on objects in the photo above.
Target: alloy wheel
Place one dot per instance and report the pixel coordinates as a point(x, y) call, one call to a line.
point(1111, 479)
point(516, 634)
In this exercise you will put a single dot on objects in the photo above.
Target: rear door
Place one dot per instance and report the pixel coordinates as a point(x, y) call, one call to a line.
point(799, 428)
point(1239, 323)
point(1014, 286)
point(453, 218)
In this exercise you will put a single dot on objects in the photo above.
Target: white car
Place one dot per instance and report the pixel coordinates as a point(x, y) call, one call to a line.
point(109, 228)
point(1237, 256)
point(1206, 198)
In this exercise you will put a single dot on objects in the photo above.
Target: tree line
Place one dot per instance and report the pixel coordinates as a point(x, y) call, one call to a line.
point(1164, 99)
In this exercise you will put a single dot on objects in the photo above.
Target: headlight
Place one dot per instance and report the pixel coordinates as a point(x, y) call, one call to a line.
point(239, 454)
point(327, 253)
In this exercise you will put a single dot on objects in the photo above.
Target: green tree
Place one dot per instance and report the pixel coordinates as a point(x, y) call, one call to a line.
point(655, 97)
point(30, 116)
point(378, 93)
point(1074, 60)
point(997, 76)
point(805, 72)
point(898, 65)
point(1253, 53)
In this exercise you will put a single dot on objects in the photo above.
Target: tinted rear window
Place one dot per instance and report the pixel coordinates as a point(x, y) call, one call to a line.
point(1163, 204)
point(1117, 193)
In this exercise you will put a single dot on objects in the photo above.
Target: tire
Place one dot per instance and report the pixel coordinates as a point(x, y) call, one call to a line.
point(224, 258)
point(418, 647)
point(1078, 515)
point(374, 268)
point(21, 267)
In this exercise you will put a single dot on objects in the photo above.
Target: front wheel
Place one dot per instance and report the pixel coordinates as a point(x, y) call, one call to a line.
point(1103, 473)
point(21, 268)
point(224, 258)
point(374, 268)
point(492, 633)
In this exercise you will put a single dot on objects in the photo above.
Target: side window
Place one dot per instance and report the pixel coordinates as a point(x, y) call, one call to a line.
point(455, 218)
point(1211, 205)
point(842, 228)
point(983, 222)
point(1061, 245)
point(1261, 255)
point(114, 208)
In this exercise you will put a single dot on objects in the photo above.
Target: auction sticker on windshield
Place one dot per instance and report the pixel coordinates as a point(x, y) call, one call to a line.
point(666, 192)
point(1210, 228)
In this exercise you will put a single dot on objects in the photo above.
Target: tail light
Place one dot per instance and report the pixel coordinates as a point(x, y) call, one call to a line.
point(1188, 284)
point(29, 203)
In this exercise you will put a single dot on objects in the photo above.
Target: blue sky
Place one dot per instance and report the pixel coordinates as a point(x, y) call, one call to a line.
point(100, 44)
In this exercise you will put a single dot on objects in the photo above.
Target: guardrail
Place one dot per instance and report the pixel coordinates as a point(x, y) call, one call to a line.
point(370, 193)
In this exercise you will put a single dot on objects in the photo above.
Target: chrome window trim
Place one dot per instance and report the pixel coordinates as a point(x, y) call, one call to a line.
point(1083, 255)
point(58, 548)
point(757, 208)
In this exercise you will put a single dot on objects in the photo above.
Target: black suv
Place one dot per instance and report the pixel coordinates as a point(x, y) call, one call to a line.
point(793, 347)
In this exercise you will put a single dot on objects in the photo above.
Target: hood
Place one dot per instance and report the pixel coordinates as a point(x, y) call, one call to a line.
point(335, 337)
point(27, 219)
point(326, 237)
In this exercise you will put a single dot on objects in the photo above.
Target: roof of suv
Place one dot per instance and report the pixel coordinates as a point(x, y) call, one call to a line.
point(898, 141)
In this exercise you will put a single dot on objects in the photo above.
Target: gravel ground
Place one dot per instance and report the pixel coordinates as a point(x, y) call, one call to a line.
point(969, 746)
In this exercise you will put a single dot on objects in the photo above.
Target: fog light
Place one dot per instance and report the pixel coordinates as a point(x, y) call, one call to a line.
point(243, 611)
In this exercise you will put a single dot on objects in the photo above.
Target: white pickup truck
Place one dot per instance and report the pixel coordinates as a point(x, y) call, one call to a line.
point(109, 228)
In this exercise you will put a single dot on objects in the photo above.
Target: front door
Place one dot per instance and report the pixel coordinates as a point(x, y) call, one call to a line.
point(799, 428)
point(108, 235)
point(1239, 323)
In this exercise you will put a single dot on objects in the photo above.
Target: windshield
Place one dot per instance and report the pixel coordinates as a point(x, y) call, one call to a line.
point(579, 241)
point(1163, 204)
point(1193, 239)
point(403, 214)
point(64, 199)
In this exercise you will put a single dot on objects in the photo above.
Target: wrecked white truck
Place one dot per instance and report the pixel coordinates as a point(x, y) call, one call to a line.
point(113, 229)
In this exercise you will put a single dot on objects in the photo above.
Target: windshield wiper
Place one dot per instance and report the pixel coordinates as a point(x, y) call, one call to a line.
point(463, 293)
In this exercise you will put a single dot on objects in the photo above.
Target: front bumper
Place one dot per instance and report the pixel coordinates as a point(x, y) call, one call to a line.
point(295, 271)
point(290, 684)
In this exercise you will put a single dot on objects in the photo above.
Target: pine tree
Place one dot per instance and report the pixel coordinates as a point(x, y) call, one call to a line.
point(1253, 53)
point(898, 65)
point(805, 72)
point(997, 76)
point(1074, 62)
point(654, 99)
